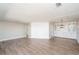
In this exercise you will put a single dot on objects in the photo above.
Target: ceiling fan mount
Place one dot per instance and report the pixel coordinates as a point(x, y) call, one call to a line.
point(58, 4)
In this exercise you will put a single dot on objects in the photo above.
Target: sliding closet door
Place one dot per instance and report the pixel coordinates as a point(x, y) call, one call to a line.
point(40, 30)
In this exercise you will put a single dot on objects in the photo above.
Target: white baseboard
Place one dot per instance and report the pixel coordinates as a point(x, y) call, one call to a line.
point(12, 38)
point(63, 37)
point(40, 38)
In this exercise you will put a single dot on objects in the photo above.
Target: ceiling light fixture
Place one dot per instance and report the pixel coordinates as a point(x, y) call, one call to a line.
point(58, 4)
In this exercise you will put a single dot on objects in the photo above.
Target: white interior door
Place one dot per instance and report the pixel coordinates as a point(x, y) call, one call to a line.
point(40, 30)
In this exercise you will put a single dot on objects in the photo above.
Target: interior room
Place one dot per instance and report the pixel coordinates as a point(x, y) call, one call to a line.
point(39, 28)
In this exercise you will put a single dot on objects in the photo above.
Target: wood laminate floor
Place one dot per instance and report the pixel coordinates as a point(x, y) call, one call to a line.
point(58, 46)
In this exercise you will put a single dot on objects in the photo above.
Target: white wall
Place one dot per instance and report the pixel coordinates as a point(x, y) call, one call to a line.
point(40, 30)
point(1, 30)
point(12, 30)
point(51, 29)
point(77, 28)
point(69, 30)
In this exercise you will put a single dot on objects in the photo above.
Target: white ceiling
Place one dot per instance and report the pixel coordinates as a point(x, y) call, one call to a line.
point(39, 12)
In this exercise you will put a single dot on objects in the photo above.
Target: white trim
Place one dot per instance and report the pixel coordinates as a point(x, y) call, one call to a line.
point(63, 37)
point(78, 41)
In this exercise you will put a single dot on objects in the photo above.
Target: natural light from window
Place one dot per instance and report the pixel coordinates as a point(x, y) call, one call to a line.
point(40, 30)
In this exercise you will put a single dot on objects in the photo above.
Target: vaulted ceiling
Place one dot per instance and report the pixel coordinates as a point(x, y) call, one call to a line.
point(31, 12)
